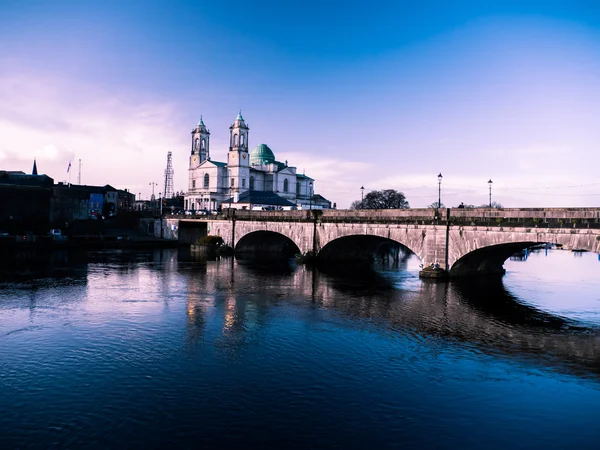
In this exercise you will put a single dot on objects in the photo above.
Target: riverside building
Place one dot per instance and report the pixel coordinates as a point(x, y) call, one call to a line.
point(248, 180)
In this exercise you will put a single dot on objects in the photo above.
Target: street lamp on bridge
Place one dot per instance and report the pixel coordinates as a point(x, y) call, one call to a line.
point(440, 190)
point(362, 197)
point(490, 184)
point(310, 193)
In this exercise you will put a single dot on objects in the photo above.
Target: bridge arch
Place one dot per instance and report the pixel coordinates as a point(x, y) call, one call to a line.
point(487, 260)
point(410, 237)
point(487, 252)
point(266, 242)
point(361, 248)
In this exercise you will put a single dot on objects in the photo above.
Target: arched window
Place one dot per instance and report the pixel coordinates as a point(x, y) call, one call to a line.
point(203, 144)
point(196, 144)
point(241, 140)
point(235, 140)
point(285, 185)
point(206, 180)
point(251, 183)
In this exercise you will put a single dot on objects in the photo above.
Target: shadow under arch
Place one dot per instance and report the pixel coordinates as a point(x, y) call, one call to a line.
point(266, 242)
point(487, 260)
point(360, 248)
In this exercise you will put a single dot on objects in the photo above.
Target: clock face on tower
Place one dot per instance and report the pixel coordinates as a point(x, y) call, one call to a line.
point(194, 159)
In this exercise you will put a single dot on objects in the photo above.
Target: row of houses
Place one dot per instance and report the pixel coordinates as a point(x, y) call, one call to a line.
point(34, 202)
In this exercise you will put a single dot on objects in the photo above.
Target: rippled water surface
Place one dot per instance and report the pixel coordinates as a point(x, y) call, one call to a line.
point(154, 349)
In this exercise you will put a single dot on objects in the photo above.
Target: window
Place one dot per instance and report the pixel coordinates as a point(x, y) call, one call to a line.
point(235, 140)
point(285, 185)
point(196, 146)
point(232, 182)
point(243, 182)
point(298, 188)
point(193, 184)
point(206, 180)
point(252, 183)
point(241, 140)
point(203, 144)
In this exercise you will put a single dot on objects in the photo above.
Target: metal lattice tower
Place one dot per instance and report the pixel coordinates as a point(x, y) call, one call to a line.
point(168, 190)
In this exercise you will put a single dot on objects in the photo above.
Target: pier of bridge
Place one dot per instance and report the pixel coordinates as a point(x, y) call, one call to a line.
point(460, 241)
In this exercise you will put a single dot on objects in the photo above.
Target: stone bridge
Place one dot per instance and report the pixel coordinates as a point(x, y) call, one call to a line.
point(461, 241)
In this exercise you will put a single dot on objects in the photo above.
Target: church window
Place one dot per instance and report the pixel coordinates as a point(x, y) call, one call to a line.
point(235, 140)
point(241, 140)
point(203, 144)
point(232, 182)
point(206, 180)
point(252, 183)
point(196, 144)
point(243, 182)
point(285, 185)
point(298, 188)
point(193, 184)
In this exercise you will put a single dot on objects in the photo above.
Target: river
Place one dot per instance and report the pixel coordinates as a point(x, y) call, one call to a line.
point(157, 349)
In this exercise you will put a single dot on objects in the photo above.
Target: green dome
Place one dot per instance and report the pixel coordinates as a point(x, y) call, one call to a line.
point(262, 154)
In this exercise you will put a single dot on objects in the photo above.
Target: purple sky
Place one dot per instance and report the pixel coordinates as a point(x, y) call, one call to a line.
point(384, 95)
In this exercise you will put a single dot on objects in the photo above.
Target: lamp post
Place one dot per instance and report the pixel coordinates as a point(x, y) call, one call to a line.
point(310, 193)
point(490, 184)
point(440, 190)
point(362, 197)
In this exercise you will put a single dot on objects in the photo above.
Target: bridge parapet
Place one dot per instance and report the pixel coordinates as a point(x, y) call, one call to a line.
point(420, 215)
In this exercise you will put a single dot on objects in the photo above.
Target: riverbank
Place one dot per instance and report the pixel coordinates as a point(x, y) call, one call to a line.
point(84, 242)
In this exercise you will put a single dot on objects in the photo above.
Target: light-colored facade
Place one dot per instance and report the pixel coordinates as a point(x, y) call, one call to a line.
point(212, 183)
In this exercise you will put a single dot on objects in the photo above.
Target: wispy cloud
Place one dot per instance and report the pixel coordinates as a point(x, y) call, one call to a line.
point(121, 139)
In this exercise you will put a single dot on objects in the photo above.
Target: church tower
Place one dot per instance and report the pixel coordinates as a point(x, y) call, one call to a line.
point(238, 159)
point(200, 145)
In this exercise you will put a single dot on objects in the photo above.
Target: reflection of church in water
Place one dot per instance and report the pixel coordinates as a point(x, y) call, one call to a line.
point(248, 180)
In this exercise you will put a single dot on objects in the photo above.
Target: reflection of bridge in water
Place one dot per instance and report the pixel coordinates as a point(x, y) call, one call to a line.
point(480, 315)
point(462, 241)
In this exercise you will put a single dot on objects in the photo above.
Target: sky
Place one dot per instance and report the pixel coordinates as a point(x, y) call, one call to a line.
point(380, 95)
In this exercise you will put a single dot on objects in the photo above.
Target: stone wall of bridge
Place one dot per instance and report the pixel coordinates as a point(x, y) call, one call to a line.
point(472, 241)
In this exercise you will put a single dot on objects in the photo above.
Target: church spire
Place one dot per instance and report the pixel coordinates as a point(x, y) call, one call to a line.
point(34, 171)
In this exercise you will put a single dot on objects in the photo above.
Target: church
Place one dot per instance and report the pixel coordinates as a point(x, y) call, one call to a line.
point(248, 180)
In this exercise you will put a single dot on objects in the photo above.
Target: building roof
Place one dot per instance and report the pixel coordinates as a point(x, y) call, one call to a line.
point(86, 188)
point(262, 154)
point(261, 198)
point(302, 176)
point(239, 116)
point(23, 179)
